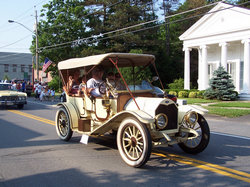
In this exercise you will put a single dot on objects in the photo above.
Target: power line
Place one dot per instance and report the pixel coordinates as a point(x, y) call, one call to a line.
point(85, 15)
point(15, 41)
point(118, 30)
point(15, 54)
point(16, 26)
point(21, 15)
point(91, 42)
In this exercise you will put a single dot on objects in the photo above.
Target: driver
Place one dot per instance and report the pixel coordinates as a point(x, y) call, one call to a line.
point(94, 83)
point(111, 75)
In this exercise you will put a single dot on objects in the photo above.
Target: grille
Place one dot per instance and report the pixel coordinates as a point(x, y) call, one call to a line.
point(9, 98)
point(171, 111)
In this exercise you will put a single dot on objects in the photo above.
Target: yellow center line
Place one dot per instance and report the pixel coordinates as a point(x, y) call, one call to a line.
point(182, 159)
point(33, 117)
point(205, 165)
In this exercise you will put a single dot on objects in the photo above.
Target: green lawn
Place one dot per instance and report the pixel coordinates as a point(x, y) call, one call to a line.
point(228, 109)
point(199, 101)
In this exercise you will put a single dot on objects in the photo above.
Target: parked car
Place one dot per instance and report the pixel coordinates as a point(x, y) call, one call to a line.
point(10, 96)
point(63, 97)
point(142, 120)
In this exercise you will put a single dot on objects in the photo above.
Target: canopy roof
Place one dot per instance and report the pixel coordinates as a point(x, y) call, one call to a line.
point(124, 60)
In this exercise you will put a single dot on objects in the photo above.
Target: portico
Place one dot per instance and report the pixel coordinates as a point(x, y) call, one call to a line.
point(223, 36)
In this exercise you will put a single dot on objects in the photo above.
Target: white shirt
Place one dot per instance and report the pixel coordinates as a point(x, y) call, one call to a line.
point(92, 83)
point(36, 86)
point(52, 92)
point(39, 89)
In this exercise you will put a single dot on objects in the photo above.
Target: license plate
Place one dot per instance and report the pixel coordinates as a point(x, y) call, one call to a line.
point(9, 103)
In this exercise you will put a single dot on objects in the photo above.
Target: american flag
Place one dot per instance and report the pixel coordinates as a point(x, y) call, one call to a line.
point(46, 64)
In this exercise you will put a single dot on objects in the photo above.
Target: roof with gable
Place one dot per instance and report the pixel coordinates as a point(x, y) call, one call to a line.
point(224, 22)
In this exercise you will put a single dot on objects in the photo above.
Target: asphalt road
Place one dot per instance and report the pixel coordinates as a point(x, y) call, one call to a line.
point(31, 154)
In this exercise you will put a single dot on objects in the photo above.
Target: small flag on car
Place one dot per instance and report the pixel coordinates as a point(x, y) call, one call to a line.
point(46, 64)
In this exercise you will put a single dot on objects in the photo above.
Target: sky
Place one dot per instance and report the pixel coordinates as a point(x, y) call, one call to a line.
point(13, 36)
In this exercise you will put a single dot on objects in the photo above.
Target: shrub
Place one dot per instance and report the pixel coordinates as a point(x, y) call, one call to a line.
point(235, 93)
point(221, 86)
point(177, 84)
point(200, 94)
point(55, 83)
point(183, 94)
point(173, 93)
point(192, 95)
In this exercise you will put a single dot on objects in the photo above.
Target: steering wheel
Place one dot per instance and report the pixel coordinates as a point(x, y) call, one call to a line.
point(109, 85)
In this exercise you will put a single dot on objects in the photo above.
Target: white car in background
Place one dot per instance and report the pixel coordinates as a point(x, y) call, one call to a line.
point(9, 96)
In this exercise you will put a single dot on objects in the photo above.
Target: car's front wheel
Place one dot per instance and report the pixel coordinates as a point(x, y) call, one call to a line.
point(134, 142)
point(198, 144)
point(63, 127)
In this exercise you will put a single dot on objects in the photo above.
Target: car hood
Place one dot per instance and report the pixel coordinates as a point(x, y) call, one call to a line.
point(147, 104)
point(11, 93)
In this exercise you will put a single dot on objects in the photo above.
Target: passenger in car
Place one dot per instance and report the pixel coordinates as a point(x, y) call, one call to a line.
point(74, 82)
point(83, 88)
point(94, 83)
point(120, 86)
point(111, 75)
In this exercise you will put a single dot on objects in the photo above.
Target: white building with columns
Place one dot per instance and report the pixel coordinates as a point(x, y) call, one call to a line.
point(221, 36)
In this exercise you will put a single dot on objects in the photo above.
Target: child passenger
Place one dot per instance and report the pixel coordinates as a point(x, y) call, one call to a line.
point(82, 87)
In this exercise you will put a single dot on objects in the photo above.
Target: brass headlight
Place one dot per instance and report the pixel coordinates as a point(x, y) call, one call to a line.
point(191, 117)
point(161, 121)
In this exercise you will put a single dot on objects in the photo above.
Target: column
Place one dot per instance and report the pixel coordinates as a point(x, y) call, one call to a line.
point(223, 46)
point(187, 68)
point(199, 81)
point(204, 68)
point(246, 72)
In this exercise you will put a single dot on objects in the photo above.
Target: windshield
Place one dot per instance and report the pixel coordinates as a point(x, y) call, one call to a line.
point(143, 85)
point(6, 87)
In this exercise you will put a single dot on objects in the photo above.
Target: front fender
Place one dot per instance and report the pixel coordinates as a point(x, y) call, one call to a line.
point(183, 109)
point(115, 121)
point(73, 113)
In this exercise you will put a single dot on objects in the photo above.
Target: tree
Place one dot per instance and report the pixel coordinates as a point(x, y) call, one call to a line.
point(177, 84)
point(221, 86)
point(126, 14)
point(62, 23)
point(6, 76)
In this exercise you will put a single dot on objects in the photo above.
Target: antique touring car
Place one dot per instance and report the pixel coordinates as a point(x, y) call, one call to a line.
point(130, 108)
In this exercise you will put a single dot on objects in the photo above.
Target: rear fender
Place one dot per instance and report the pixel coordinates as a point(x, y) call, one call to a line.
point(73, 113)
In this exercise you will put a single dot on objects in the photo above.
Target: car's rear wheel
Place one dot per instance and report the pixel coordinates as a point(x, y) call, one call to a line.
point(63, 127)
point(20, 106)
point(197, 145)
point(134, 142)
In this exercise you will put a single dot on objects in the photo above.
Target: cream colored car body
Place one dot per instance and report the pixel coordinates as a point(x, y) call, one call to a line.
point(166, 122)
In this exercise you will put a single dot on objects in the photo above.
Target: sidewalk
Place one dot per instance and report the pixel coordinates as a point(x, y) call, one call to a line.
point(46, 102)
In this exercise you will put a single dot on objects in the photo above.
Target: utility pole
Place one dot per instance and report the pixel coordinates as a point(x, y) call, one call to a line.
point(37, 63)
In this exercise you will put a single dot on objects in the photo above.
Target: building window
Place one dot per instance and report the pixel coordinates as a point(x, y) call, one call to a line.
point(14, 67)
point(6, 67)
point(22, 68)
point(30, 68)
